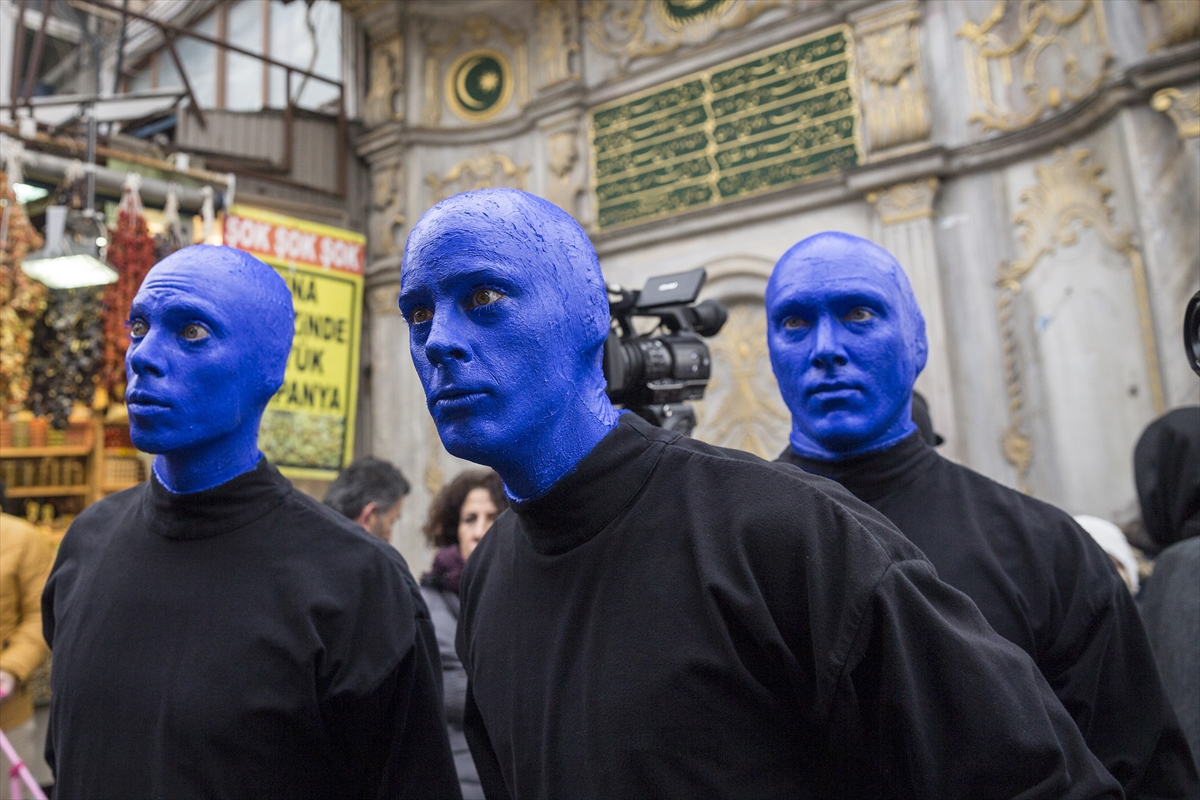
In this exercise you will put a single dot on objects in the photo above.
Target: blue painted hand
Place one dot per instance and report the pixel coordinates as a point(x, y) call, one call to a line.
point(847, 341)
point(210, 332)
point(508, 315)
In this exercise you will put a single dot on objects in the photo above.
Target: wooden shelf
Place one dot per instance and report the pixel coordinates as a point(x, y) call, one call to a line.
point(40, 452)
point(118, 487)
point(46, 491)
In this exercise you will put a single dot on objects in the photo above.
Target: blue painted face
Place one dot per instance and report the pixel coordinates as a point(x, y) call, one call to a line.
point(210, 333)
point(508, 315)
point(847, 341)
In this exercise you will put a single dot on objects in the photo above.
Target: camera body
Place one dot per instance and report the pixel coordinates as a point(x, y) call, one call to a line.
point(655, 374)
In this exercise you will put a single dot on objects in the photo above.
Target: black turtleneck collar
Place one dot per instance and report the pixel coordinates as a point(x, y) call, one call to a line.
point(212, 512)
point(587, 499)
point(872, 476)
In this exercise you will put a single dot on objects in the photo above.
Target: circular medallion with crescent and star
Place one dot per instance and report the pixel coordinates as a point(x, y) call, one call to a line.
point(679, 13)
point(479, 85)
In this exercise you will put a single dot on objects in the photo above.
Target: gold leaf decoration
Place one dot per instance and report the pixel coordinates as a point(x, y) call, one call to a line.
point(1010, 44)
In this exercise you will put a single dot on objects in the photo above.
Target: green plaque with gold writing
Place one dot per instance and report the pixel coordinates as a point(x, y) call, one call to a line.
point(757, 124)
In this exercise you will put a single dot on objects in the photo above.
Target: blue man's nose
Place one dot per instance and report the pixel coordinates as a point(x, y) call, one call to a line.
point(144, 357)
point(827, 348)
point(444, 343)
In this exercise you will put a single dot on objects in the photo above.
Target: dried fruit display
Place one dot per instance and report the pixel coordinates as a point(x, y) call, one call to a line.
point(131, 252)
point(21, 298)
point(68, 346)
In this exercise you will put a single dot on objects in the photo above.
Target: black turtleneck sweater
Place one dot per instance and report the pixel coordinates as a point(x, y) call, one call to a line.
point(243, 641)
point(1044, 585)
point(675, 620)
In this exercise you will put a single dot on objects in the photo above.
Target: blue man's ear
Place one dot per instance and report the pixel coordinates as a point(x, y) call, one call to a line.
point(920, 346)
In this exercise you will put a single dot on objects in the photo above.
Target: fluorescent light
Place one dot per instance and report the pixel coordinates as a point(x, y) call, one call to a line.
point(69, 272)
point(27, 194)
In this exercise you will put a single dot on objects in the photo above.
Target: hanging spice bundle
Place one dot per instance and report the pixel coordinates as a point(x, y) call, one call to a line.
point(131, 252)
point(67, 348)
point(172, 237)
point(21, 297)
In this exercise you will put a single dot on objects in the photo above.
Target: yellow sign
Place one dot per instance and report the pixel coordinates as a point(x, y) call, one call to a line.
point(308, 428)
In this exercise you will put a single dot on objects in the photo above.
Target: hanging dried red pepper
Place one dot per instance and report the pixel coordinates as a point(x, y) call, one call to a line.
point(21, 298)
point(131, 252)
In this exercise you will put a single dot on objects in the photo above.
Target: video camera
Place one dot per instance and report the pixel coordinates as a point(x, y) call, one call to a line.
point(654, 374)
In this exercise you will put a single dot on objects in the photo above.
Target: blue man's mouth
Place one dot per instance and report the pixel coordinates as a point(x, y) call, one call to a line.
point(140, 402)
point(831, 388)
point(455, 397)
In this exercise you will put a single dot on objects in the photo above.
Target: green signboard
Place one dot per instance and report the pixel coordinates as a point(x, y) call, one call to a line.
point(761, 123)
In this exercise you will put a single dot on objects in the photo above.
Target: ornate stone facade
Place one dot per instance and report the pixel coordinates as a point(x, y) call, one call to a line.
point(1031, 164)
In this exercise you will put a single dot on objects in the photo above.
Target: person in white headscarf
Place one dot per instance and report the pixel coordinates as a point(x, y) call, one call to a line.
point(1112, 540)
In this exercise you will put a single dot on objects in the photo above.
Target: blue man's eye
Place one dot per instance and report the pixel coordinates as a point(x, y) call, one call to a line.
point(138, 328)
point(858, 315)
point(483, 297)
point(194, 332)
point(795, 323)
point(420, 314)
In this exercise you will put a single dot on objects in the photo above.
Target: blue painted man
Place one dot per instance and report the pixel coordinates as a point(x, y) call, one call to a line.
point(655, 617)
point(847, 341)
point(215, 632)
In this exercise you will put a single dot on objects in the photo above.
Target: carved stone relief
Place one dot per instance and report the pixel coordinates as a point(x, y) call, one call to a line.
point(387, 208)
point(629, 29)
point(488, 171)
point(1171, 22)
point(1067, 198)
point(442, 41)
point(566, 172)
point(1011, 43)
point(1182, 106)
point(557, 36)
point(387, 81)
point(743, 408)
point(895, 105)
point(905, 201)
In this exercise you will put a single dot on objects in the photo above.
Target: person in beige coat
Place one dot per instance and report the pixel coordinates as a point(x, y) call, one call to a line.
point(24, 564)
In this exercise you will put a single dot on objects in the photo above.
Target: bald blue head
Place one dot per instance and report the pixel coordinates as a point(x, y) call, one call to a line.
point(210, 333)
point(847, 341)
point(508, 315)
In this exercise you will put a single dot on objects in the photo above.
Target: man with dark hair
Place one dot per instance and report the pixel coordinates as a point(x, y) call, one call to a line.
point(217, 633)
point(847, 341)
point(657, 617)
point(371, 492)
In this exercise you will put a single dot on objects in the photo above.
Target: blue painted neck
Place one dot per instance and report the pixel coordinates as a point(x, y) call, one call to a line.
point(809, 448)
point(531, 471)
point(217, 462)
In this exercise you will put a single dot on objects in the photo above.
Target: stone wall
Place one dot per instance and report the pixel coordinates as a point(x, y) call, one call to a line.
point(1037, 175)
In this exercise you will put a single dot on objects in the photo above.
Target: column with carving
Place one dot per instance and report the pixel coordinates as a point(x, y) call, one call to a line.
point(895, 106)
point(906, 212)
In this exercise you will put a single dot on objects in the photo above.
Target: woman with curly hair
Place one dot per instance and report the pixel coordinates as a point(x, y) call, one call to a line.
point(458, 518)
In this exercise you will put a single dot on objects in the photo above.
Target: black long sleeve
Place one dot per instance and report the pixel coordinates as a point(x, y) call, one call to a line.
point(1043, 584)
point(674, 620)
point(239, 642)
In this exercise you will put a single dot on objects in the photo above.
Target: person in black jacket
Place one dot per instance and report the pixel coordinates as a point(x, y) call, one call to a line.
point(656, 617)
point(1166, 468)
point(216, 633)
point(847, 340)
